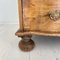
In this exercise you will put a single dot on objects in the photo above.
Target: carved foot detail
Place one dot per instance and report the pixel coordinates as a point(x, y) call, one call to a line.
point(26, 44)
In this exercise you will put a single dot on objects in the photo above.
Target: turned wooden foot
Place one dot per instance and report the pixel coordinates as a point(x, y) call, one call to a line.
point(26, 44)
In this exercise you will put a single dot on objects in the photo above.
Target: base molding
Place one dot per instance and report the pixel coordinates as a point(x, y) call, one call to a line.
point(22, 33)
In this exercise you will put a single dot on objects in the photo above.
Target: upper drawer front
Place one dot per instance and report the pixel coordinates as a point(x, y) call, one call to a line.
point(44, 14)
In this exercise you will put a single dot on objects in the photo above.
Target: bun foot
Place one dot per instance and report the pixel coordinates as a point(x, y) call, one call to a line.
point(26, 44)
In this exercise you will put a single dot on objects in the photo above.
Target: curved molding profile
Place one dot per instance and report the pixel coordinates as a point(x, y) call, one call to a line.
point(19, 33)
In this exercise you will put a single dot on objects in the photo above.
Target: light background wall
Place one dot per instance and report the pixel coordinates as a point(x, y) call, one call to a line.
point(9, 12)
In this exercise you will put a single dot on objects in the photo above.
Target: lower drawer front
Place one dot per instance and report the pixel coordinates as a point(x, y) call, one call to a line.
point(42, 15)
point(46, 24)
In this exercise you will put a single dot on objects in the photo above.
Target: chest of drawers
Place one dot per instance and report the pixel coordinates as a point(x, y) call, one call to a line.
point(37, 17)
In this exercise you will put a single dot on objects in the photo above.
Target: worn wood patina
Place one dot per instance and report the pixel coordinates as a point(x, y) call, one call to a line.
point(38, 17)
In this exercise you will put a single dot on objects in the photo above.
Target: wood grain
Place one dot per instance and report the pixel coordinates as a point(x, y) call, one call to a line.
point(20, 9)
point(34, 20)
point(37, 17)
point(41, 33)
point(34, 12)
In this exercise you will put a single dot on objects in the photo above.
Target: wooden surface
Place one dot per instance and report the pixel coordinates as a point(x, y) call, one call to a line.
point(38, 17)
point(19, 33)
point(34, 15)
point(20, 6)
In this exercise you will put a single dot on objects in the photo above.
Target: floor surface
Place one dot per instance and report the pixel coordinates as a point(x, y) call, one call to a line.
point(47, 48)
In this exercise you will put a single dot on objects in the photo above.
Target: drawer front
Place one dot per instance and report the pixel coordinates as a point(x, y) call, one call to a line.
point(42, 15)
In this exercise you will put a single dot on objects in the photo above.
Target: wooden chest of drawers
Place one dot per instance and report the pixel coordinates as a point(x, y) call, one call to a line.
point(37, 17)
